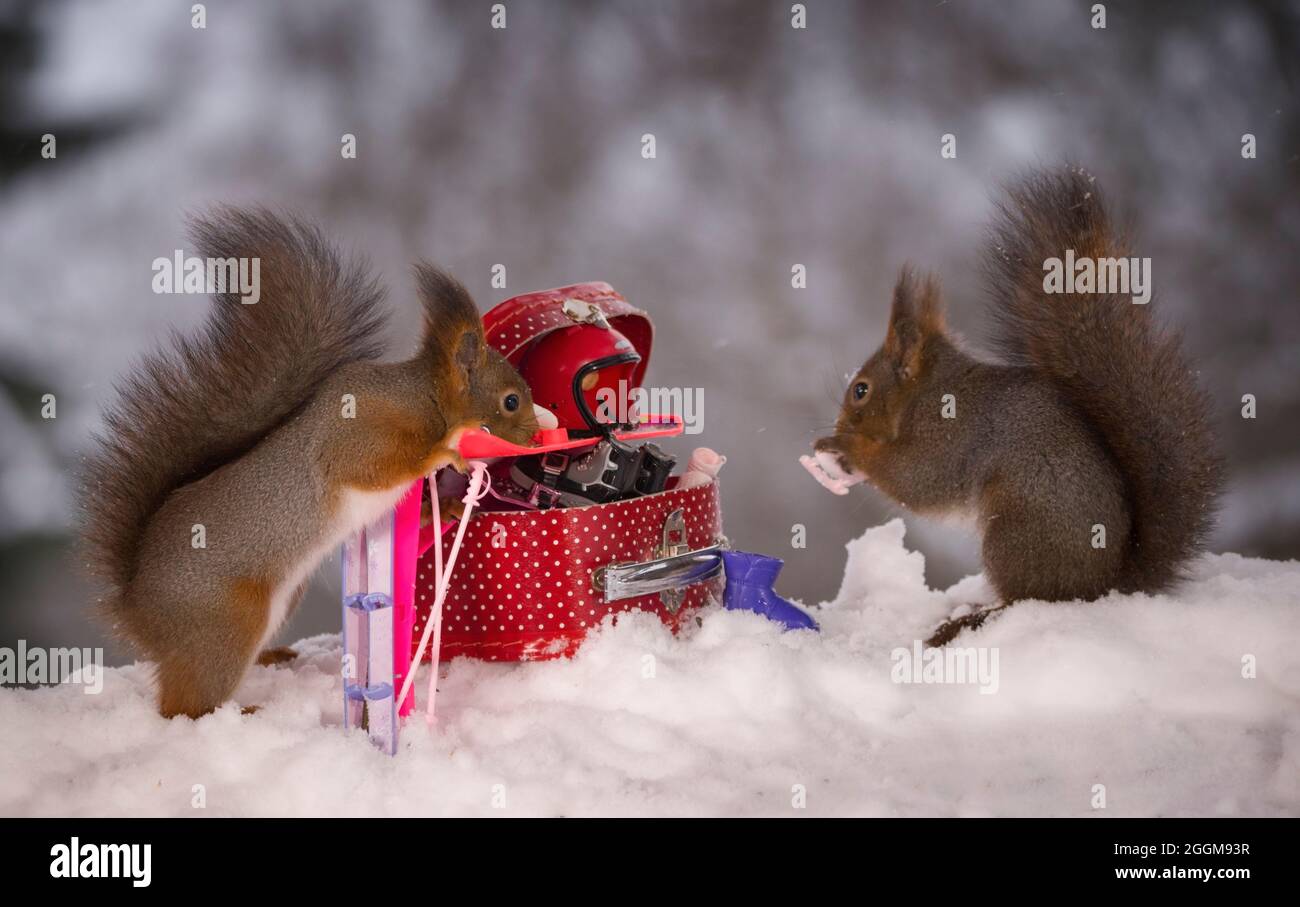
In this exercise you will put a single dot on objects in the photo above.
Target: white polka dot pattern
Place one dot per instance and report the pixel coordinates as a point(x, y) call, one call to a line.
point(532, 598)
point(535, 317)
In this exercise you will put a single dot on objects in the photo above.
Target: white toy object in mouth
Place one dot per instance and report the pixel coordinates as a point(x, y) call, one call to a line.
point(825, 467)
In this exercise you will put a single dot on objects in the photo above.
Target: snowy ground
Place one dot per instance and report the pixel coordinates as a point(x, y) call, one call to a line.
point(1145, 696)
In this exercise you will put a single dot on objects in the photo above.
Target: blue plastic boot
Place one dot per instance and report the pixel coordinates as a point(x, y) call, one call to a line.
point(749, 588)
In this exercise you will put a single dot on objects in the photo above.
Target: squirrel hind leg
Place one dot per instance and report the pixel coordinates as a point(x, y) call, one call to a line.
point(1051, 557)
point(202, 672)
point(185, 687)
point(949, 630)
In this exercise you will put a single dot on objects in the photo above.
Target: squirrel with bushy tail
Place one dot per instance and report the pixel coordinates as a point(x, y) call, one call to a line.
point(1085, 458)
point(235, 460)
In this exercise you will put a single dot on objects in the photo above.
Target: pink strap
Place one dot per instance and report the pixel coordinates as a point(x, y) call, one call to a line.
point(406, 526)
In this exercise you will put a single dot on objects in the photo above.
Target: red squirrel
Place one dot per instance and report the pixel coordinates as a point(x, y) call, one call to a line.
point(1094, 428)
point(270, 436)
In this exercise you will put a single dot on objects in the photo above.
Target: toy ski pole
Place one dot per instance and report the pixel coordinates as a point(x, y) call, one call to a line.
point(442, 577)
point(479, 483)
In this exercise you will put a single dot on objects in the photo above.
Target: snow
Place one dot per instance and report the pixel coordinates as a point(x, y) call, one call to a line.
point(1144, 695)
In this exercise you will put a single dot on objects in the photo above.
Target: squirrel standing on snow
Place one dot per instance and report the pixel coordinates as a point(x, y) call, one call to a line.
point(277, 432)
point(1095, 420)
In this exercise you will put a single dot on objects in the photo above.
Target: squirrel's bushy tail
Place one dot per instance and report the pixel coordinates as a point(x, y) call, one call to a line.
point(1126, 374)
point(205, 400)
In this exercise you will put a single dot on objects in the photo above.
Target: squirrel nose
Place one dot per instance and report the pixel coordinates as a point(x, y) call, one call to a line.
point(545, 418)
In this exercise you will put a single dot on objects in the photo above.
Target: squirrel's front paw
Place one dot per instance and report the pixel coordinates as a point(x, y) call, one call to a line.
point(448, 508)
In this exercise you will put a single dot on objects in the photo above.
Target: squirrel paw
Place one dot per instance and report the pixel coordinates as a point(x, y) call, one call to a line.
point(448, 508)
point(277, 656)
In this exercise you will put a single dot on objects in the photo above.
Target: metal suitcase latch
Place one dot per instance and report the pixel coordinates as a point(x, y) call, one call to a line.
point(674, 567)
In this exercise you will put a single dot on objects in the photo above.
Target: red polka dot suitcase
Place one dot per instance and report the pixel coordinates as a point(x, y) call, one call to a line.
point(531, 584)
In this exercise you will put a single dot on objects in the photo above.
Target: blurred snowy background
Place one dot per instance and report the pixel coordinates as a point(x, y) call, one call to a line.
point(522, 146)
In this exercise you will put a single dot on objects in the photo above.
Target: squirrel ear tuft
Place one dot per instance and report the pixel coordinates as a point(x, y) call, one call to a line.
point(469, 354)
point(452, 325)
point(916, 314)
point(929, 308)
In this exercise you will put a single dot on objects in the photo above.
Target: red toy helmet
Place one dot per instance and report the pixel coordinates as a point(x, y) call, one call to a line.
point(570, 343)
point(567, 368)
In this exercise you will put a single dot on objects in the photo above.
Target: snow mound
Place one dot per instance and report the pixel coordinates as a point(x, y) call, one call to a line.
point(1141, 700)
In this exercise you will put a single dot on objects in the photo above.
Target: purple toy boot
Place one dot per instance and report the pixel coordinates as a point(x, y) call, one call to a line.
point(749, 588)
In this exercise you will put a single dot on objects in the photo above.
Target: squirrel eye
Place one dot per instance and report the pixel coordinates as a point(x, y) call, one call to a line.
point(860, 390)
point(510, 402)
